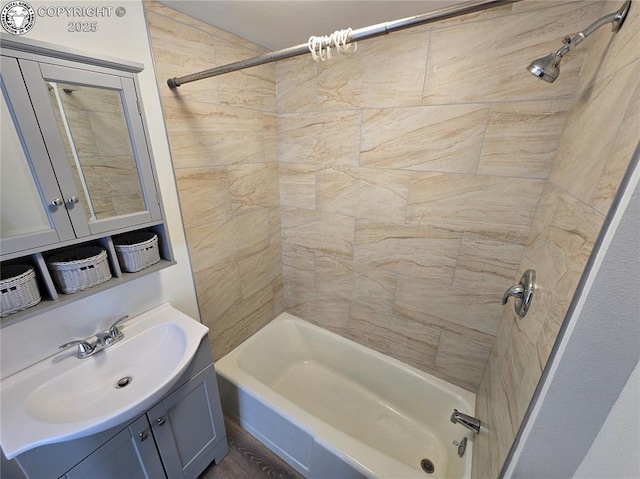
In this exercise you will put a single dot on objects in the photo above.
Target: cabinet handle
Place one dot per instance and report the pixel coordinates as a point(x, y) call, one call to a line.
point(56, 202)
point(72, 199)
point(161, 421)
point(143, 435)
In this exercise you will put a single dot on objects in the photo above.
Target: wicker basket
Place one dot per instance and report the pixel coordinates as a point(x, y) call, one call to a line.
point(136, 250)
point(80, 268)
point(18, 289)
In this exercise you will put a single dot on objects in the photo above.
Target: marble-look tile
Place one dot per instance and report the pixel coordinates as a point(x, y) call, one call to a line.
point(463, 359)
point(479, 205)
point(487, 266)
point(546, 340)
point(618, 158)
point(203, 134)
point(297, 84)
point(493, 12)
point(481, 442)
point(408, 341)
point(384, 72)
point(87, 98)
point(462, 66)
point(332, 313)
point(240, 322)
point(112, 134)
point(251, 232)
point(590, 132)
point(343, 278)
point(432, 138)
point(181, 49)
point(608, 52)
point(318, 231)
point(218, 289)
point(522, 138)
point(407, 250)
point(211, 245)
point(560, 244)
point(258, 271)
point(223, 242)
point(275, 227)
point(375, 194)
point(252, 87)
point(422, 300)
point(278, 295)
point(299, 266)
point(329, 138)
point(298, 185)
point(270, 133)
point(83, 135)
point(111, 180)
point(253, 186)
point(204, 195)
point(529, 5)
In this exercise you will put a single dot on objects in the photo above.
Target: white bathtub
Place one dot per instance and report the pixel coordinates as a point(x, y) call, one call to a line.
point(332, 408)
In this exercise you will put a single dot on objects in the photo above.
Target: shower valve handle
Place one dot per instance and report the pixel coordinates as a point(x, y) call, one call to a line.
point(523, 292)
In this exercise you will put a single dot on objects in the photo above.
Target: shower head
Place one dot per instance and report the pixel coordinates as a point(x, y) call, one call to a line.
point(548, 68)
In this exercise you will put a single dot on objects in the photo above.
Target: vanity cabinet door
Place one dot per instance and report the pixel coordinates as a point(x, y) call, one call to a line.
point(92, 125)
point(188, 425)
point(32, 208)
point(131, 454)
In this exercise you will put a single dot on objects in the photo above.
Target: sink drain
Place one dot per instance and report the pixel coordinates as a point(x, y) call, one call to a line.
point(123, 382)
point(427, 466)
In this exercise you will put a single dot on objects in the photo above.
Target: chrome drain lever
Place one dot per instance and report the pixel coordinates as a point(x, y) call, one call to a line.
point(462, 446)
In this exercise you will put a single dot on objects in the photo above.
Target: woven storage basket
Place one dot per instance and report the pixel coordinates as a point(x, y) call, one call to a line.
point(80, 268)
point(18, 288)
point(136, 250)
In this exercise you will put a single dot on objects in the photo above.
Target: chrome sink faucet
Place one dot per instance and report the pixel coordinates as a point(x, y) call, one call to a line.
point(103, 340)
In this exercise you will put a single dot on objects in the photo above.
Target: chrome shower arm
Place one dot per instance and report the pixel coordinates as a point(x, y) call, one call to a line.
point(616, 18)
point(548, 68)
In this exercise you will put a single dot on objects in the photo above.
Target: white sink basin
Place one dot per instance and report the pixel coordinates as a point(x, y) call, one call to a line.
point(64, 397)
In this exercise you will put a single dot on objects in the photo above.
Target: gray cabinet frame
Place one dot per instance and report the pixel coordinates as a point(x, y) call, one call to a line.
point(19, 104)
point(33, 72)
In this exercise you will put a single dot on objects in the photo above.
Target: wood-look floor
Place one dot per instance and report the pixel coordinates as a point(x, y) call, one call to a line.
point(248, 459)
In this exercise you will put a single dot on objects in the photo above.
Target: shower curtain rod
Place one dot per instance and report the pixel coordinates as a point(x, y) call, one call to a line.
point(356, 35)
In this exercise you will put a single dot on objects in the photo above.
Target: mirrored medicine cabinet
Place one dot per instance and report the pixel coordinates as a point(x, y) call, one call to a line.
point(76, 164)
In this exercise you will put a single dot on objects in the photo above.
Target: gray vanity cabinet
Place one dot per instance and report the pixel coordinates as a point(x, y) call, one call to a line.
point(181, 433)
point(177, 438)
point(131, 454)
point(186, 426)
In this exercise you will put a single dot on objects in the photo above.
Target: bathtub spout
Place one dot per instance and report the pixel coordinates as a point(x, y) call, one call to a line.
point(469, 422)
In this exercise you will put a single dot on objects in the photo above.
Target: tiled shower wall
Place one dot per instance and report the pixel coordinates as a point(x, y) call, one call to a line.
point(222, 133)
point(601, 133)
point(410, 175)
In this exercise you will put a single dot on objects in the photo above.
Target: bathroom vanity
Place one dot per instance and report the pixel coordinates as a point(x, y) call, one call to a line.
point(175, 435)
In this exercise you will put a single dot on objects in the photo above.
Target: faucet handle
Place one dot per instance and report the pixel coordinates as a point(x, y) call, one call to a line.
point(523, 292)
point(84, 347)
point(114, 331)
point(517, 291)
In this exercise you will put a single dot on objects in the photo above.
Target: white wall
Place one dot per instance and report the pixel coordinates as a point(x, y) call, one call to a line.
point(34, 339)
point(614, 453)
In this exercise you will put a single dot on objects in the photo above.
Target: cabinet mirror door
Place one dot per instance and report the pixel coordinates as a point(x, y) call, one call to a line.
point(32, 213)
point(92, 124)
